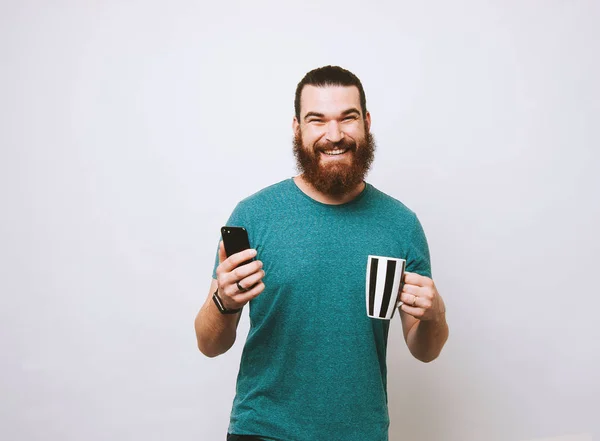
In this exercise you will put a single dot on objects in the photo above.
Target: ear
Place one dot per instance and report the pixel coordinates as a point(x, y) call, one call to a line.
point(368, 121)
point(295, 125)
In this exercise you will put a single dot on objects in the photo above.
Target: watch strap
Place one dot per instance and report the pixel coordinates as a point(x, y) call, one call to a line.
point(222, 309)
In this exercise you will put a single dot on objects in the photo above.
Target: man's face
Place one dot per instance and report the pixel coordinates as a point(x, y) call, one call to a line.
point(333, 146)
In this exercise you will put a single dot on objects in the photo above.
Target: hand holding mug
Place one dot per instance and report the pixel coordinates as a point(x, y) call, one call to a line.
point(420, 298)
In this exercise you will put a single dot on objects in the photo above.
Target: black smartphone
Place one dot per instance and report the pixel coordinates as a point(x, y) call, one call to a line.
point(235, 239)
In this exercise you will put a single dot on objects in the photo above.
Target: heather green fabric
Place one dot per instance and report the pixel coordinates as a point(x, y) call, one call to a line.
point(314, 365)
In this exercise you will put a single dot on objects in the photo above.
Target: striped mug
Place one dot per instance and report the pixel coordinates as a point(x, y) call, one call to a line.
point(384, 277)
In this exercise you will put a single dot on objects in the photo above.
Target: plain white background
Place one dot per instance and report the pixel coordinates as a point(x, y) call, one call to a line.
point(130, 129)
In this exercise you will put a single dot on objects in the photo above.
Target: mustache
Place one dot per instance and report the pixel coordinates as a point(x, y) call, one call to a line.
point(345, 144)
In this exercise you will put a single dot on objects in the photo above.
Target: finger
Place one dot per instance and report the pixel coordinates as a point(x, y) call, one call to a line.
point(418, 280)
point(228, 280)
point(410, 310)
point(411, 289)
point(241, 299)
point(241, 272)
point(414, 279)
point(240, 287)
point(236, 259)
point(409, 299)
point(248, 282)
point(222, 254)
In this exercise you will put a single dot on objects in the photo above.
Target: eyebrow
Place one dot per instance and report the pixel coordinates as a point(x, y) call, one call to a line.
point(320, 115)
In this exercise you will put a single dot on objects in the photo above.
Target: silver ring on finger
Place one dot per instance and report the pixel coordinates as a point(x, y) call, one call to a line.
point(240, 287)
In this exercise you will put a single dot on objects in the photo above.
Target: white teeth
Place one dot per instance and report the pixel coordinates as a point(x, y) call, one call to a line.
point(335, 152)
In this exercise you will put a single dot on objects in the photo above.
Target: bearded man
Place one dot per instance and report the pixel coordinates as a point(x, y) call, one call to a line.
point(313, 367)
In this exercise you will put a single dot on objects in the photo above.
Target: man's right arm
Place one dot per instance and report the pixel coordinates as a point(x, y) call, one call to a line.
point(216, 332)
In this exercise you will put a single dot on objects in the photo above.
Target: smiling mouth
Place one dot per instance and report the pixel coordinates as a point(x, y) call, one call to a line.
point(334, 152)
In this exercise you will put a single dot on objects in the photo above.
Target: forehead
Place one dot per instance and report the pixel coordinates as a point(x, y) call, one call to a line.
point(329, 99)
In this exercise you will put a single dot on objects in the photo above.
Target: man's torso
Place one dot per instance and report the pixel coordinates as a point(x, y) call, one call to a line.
point(313, 365)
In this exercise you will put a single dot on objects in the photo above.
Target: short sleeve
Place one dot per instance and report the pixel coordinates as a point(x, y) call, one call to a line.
point(418, 260)
point(235, 220)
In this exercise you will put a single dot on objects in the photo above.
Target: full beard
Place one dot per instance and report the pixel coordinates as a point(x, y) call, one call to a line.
point(335, 179)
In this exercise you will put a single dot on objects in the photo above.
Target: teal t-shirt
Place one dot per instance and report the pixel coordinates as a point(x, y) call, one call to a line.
point(313, 367)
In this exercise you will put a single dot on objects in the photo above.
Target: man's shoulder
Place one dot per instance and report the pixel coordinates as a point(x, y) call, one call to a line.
point(273, 192)
point(390, 202)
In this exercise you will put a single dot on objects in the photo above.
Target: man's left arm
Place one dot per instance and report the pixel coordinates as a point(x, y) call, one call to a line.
point(423, 315)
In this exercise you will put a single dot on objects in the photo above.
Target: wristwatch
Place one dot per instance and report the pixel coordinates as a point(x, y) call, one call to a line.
point(220, 305)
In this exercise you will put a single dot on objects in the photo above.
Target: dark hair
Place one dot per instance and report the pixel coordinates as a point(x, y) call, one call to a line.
point(330, 76)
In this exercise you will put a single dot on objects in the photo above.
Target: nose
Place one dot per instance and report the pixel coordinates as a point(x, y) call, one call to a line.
point(334, 134)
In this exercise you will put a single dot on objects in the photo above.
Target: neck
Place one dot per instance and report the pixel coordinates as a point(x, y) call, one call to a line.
point(325, 198)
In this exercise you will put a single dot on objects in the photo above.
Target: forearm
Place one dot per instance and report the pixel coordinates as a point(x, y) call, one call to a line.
point(215, 332)
point(426, 338)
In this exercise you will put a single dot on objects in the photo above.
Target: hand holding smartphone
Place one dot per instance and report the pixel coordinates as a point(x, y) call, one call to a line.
point(238, 283)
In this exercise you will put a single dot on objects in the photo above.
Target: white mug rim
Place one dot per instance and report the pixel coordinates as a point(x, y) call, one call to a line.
point(387, 258)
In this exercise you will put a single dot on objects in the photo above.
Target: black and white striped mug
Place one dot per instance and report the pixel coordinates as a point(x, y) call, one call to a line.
point(384, 277)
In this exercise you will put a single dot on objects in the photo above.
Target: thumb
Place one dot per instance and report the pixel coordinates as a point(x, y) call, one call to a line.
point(222, 254)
